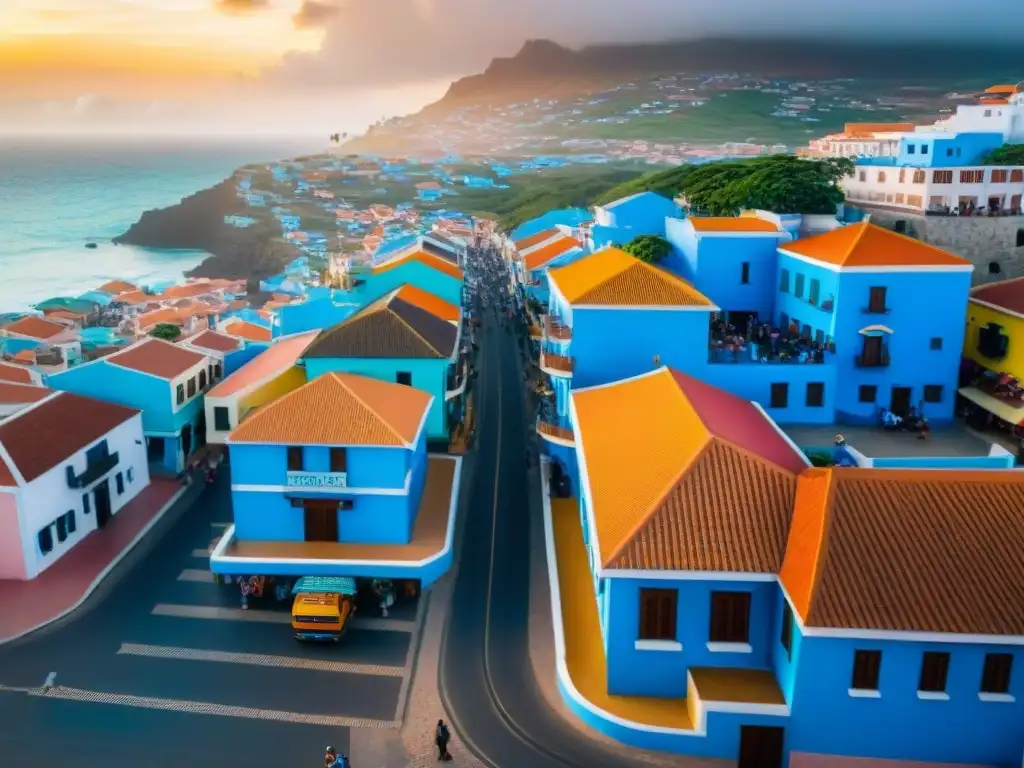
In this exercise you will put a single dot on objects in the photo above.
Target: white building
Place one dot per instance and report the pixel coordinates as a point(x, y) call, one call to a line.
point(68, 464)
point(1001, 111)
point(937, 190)
point(860, 140)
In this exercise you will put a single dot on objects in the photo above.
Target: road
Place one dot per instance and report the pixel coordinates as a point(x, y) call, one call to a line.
point(487, 681)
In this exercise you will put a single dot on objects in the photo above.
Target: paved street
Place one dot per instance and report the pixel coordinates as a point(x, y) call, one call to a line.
point(487, 680)
point(165, 669)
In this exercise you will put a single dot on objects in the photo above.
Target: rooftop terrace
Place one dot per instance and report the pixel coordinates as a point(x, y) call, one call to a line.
point(878, 443)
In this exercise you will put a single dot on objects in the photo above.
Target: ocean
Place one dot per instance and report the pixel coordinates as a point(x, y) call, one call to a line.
point(57, 195)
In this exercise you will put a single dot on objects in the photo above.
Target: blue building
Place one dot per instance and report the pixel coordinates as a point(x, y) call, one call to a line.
point(534, 256)
point(164, 381)
point(618, 222)
point(334, 479)
point(564, 217)
point(714, 596)
point(939, 150)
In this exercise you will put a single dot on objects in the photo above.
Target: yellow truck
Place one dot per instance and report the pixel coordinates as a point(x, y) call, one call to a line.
point(323, 606)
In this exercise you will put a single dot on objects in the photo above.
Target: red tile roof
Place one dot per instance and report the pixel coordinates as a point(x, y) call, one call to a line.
point(14, 394)
point(15, 374)
point(36, 327)
point(218, 342)
point(1007, 295)
point(157, 358)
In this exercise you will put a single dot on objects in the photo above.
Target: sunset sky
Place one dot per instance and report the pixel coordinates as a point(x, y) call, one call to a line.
point(305, 66)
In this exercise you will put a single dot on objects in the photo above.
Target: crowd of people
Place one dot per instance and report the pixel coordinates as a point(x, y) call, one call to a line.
point(763, 343)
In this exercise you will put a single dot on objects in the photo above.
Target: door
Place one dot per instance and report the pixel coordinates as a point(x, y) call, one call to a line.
point(900, 404)
point(186, 441)
point(102, 503)
point(760, 746)
point(742, 319)
point(321, 521)
point(872, 354)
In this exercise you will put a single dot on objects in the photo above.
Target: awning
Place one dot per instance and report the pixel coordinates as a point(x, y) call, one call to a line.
point(343, 585)
point(1013, 414)
point(875, 330)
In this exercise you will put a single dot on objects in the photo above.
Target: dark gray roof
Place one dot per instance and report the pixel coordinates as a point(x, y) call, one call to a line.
point(437, 250)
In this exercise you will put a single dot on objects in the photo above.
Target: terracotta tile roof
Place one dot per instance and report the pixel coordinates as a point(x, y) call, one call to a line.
point(676, 480)
point(390, 327)
point(868, 245)
point(190, 290)
point(431, 303)
point(162, 316)
point(114, 287)
point(441, 265)
point(248, 331)
point(731, 224)
point(1007, 295)
point(862, 130)
point(13, 394)
point(908, 550)
point(339, 409)
point(275, 360)
point(541, 257)
point(42, 437)
point(64, 314)
point(156, 357)
point(611, 277)
point(36, 327)
point(537, 239)
point(15, 374)
point(218, 342)
point(133, 298)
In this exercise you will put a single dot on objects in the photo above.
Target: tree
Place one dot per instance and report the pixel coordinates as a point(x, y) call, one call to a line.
point(648, 248)
point(1008, 154)
point(778, 183)
point(166, 331)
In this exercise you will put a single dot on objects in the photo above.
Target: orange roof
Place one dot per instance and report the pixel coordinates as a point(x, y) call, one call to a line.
point(189, 290)
point(994, 100)
point(168, 315)
point(340, 409)
point(731, 224)
point(612, 277)
point(15, 374)
point(537, 239)
point(427, 301)
point(36, 327)
point(868, 245)
point(16, 394)
point(1002, 89)
point(908, 550)
point(218, 342)
point(133, 297)
point(64, 314)
point(428, 259)
point(248, 331)
point(115, 287)
point(275, 360)
point(544, 255)
point(866, 129)
point(684, 476)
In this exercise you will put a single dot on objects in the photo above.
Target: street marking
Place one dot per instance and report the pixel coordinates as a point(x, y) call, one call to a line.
point(271, 617)
point(256, 660)
point(203, 553)
point(207, 708)
point(195, 574)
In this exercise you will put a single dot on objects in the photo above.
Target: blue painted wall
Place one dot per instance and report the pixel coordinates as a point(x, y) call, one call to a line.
point(642, 214)
point(998, 461)
point(315, 314)
point(412, 273)
point(235, 360)
point(946, 151)
point(753, 381)
point(808, 294)
point(570, 217)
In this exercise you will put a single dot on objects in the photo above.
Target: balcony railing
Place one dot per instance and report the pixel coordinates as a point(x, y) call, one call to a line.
point(871, 310)
point(556, 365)
point(878, 360)
point(555, 434)
point(92, 473)
point(555, 331)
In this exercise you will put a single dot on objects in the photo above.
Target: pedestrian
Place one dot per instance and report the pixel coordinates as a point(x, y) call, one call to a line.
point(441, 739)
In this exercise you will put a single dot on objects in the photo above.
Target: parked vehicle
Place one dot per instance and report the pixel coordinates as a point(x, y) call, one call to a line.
point(322, 607)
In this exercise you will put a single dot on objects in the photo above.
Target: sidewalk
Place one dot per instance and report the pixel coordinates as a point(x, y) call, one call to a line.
point(30, 605)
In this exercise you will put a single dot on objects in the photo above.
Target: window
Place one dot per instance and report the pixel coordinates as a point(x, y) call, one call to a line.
point(815, 394)
point(217, 370)
point(404, 377)
point(867, 393)
point(994, 267)
point(972, 177)
point(903, 175)
point(119, 482)
point(863, 176)
point(919, 177)
point(881, 177)
point(911, 149)
point(949, 152)
point(339, 460)
point(780, 395)
point(62, 529)
point(786, 637)
point(867, 665)
point(192, 387)
point(221, 418)
point(1017, 175)
point(924, 149)
point(876, 299)
point(70, 522)
point(45, 537)
point(658, 614)
point(1020, 239)
point(130, 475)
point(999, 176)
point(210, 369)
point(995, 676)
point(935, 345)
point(202, 380)
point(900, 199)
point(942, 177)
point(815, 291)
point(730, 617)
point(934, 670)
point(798, 286)
point(180, 394)
point(784, 281)
point(86, 507)
point(745, 273)
point(294, 458)
point(933, 393)
point(805, 331)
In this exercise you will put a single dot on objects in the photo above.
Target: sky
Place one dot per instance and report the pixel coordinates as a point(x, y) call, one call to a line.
point(303, 67)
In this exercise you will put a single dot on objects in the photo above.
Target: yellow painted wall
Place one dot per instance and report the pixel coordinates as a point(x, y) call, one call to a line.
point(978, 317)
point(288, 381)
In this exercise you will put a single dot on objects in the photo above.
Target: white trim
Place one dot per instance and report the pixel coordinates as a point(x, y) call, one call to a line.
point(651, 308)
point(19, 479)
point(257, 488)
point(744, 234)
point(996, 308)
point(880, 270)
point(163, 435)
point(864, 693)
point(997, 698)
point(581, 459)
point(453, 504)
point(657, 645)
point(634, 377)
point(730, 648)
point(781, 433)
point(633, 573)
point(933, 695)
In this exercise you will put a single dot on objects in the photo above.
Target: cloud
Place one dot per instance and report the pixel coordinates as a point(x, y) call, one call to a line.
point(315, 13)
point(241, 6)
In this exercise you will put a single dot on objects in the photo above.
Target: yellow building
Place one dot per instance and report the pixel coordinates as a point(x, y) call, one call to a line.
point(995, 340)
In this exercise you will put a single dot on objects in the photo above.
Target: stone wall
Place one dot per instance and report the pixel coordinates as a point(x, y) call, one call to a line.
point(989, 243)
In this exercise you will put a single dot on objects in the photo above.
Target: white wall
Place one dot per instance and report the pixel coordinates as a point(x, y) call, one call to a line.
point(871, 190)
point(48, 497)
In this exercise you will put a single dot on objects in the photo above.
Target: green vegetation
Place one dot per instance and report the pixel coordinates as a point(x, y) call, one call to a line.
point(166, 331)
point(819, 459)
point(667, 183)
point(648, 248)
point(1008, 154)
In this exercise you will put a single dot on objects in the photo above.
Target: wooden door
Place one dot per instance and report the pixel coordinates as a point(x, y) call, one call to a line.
point(761, 746)
point(321, 520)
point(900, 404)
point(872, 354)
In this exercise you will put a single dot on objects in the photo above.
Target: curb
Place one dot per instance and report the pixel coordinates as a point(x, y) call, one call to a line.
point(94, 585)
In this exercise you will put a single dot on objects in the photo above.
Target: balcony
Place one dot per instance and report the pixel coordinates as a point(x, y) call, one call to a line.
point(457, 379)
point(92, 473)
point(873, 360)
point(555, 331)
point(876, 310)
point(556, 365)
point(556, 434)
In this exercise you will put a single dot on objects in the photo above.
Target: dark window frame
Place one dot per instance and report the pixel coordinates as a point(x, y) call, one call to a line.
point(202, 379)
point(815, 396)
point(192, 387)
point(338, 459)
point(786, 631)
point(784, 281)
point(933, 393)
point(295, 461)
point(730, 618)
point(996, 673)
point(867, 670)
point(62, 529)
point(180, 394)
point(70, 522)
point(406, 375)
point(657, 614)
point(934, 672)
point(745, 273)
point(878, 299)
point(862, 392)
point(221, 424)
point(935, 344)
point(45, 539)
point(779, 395)
point(119, 483)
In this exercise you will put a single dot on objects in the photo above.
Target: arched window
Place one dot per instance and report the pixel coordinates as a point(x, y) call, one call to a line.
point(994, 268)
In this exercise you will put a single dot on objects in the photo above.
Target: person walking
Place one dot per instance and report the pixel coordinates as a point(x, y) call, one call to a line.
point(441, 739)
